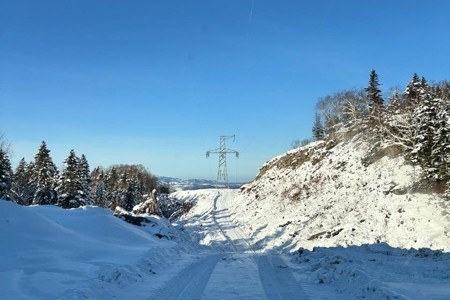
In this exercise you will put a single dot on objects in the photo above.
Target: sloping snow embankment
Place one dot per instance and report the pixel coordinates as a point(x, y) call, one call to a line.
point(337, 195)
point(48, 253)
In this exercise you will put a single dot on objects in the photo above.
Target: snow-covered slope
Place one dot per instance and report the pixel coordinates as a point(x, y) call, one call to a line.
point(349, 193)
point(47, 252)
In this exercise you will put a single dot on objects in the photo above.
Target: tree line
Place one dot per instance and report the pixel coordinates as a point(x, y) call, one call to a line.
point(39, 182)
point(416, 120)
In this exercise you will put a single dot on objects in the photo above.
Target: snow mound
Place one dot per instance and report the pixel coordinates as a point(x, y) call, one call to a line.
point(339, 194)
point(48, 252)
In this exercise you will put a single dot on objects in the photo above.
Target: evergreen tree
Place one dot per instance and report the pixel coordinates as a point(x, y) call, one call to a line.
point(412, 92)
point(112, 194)
point(44, 178)
point(70, 186)
point(440, 146)
point(318, 130)
point(374, 94)
point(22, 188)
point(122, 191)
point(6, 175)
point(85, 176)
point(98, 187)
point(395, 103)
point(426, 125)
point(31, 171)
point(131, 194)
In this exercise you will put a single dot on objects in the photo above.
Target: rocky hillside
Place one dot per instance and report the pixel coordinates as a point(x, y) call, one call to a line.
point(350, 192)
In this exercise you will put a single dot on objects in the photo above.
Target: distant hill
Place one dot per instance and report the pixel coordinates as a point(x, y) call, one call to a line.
point(194, 184)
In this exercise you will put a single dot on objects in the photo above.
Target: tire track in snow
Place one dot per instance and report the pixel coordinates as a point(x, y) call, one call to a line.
point(278, 281)
point(231, 231)
point(190, 282)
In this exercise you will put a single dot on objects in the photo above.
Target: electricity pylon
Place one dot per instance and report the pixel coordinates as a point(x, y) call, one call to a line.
point(223, 151)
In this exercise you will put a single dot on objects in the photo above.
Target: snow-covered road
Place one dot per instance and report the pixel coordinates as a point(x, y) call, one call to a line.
point(231, 269)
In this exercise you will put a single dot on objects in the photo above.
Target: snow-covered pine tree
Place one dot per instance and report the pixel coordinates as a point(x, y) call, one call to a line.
point(44, 177)
point(70, 188)
point(85, 177)
point(395, 103)
point(130, 195)
point(318, 131)
point(31, 171)
point(440, 148)
point(123, 191)
point(411, 94)
point(22, 188)
point(426, 125)
point(6, 175)
point(98, 187)
point(112, 188)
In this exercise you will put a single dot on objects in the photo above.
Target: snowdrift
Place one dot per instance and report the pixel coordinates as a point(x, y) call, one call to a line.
point(352, 192)
point(48, 252)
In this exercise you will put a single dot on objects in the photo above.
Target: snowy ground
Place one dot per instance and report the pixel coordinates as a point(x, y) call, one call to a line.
point(87, 253)
point(370, 271)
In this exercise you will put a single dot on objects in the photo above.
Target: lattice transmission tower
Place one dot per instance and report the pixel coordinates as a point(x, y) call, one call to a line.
point(223, 151)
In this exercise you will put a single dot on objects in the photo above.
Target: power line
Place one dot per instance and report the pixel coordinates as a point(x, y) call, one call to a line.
point(223, 151)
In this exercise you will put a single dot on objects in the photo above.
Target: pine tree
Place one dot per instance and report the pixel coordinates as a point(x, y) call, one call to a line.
point(70, 187)
point(6, 176)
point(30, 174)
point(440, 145)
point(98, 187)
point(376, 102)
point(85, 177)
point(112, 188)
point(22, 188)
point(130, 196)
point(44, 177)
point(123, 191)
point(426, 125)
point(318, 130)
point(412, 92)
point(395, 103)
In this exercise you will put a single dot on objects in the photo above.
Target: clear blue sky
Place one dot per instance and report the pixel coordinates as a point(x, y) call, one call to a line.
point(157, 82)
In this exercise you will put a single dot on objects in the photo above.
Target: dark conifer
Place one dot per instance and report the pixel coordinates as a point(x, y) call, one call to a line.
point(22, 187)
point(98, 187)
point(85, 176)
point(6, 175)
point(376, 102)
point(318, 129)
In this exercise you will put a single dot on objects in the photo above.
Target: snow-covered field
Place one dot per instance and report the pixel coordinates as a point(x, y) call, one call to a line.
point(321, 222)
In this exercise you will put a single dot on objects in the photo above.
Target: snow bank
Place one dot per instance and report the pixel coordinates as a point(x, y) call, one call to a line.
point(377, 271)
point(48, 252)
